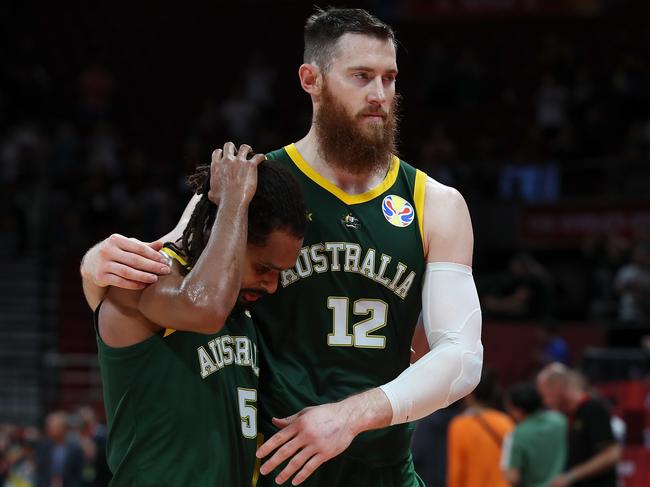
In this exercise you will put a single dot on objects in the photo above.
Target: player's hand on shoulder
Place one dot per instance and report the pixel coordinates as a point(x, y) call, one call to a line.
point(124, 262)
point(233, 173)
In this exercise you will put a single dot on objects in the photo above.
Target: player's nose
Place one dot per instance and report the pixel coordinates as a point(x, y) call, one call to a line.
point(377, 94)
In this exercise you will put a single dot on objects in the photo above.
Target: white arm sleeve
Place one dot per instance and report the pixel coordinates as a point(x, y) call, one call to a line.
point(451, 314)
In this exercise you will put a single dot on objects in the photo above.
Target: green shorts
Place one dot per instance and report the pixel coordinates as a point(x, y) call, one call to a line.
point(345, 472)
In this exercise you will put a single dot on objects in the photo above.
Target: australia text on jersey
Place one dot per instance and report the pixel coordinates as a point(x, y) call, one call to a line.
point(347, 256)
point(228, 350)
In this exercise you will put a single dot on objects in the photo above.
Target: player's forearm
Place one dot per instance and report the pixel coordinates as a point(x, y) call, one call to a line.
point(605, 460)
point(452, 369)
point(92, 292)
point(435, 381)
point(211, 288)
point(367, 411)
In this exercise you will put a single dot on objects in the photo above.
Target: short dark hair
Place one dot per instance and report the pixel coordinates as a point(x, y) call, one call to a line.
point(278, 204)
point(324, 28)
point(526, 397)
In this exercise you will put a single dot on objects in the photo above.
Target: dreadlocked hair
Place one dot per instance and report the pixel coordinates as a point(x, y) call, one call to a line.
point(277, 205)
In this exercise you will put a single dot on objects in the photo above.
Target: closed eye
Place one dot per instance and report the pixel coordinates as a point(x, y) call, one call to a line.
point(262, 269)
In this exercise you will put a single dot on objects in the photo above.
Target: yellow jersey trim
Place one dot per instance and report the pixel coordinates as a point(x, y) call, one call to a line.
point(174, 255)
point(418, 198)
point(258, 462)
point(348, 199)
point(183, 262)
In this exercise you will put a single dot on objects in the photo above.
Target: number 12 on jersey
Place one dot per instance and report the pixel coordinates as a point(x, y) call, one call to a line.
point(361, 331)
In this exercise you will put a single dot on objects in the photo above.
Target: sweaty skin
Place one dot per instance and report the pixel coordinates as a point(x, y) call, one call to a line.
point(201, 300)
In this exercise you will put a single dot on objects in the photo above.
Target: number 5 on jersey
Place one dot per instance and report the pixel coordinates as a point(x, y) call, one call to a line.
point(361, 332)
point(247, 411)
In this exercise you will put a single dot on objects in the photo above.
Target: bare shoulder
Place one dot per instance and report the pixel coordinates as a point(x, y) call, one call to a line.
point(120, 322)
point(125, 299)
point(441, 195)
point(448, 233)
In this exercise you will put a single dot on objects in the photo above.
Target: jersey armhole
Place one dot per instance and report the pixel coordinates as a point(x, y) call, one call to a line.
point(418, 198)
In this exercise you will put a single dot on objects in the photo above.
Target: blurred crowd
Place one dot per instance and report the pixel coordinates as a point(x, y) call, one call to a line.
point(613, 272)
point(547, 432)
point(536, 110)
point(620, 279)
point(69, 451)
point(515, 124)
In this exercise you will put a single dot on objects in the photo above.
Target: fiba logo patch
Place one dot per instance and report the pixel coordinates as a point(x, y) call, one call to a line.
point(397, 211)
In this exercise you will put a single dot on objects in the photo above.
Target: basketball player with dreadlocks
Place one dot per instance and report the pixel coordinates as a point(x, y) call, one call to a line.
point(179, 366)
point(386, 245)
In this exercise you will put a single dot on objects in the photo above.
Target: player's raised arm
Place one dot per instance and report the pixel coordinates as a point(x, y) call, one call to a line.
point(202, 299)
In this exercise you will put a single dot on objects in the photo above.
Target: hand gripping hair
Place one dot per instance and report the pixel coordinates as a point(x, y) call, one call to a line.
point(451, 316)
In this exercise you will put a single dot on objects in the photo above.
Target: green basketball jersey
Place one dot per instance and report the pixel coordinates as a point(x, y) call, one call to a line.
point(182, 407)
point(343, 318)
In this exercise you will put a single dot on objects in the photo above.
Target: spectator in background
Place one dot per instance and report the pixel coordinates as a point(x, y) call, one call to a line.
point(552, 347)
point(96, 88)
point(17, 467)
point(92, 438)
point(430, 445)
point(593, 452)
point(475, 439)
point(535, 453)
point(603, 256)
point(552, 103)
point(633, 283)
point(528, 293)
point(260, 79)
point(59, 461)
point(239, 114)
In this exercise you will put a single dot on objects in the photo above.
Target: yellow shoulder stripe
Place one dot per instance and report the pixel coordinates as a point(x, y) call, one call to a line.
point(183, 262)
point(348, 199)
point(174, 255)
point(418, 197)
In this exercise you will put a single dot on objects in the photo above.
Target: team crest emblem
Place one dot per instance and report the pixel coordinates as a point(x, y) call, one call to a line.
point(397, 211)
point(350, 221)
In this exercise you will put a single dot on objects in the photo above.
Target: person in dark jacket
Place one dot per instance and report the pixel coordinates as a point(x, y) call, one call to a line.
point(59, 462)
point(593, 451)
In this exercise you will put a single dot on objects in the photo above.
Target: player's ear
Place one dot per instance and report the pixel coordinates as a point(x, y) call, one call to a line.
point(311, 78)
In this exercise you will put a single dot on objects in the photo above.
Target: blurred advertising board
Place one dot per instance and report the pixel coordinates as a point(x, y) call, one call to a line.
point(559, 224)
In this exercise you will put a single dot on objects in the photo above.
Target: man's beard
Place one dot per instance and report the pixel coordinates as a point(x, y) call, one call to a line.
point(345, 145)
